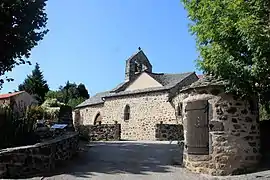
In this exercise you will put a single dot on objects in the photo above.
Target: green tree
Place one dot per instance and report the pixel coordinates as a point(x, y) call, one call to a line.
point(82, 91)
point(233, 38)
point(22, 26)
point(55, 95)
point(35, 84)
point(75, 101)
point(69, 91)
point(71, 94)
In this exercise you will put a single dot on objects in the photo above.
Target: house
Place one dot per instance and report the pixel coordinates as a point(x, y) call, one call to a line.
point(18, 101)
point(143, 100)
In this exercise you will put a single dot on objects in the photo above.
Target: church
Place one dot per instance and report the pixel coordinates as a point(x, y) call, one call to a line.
point(143, 100)
point(220, 130)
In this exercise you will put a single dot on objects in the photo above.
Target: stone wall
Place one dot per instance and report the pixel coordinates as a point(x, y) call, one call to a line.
point(22, 161)
point(169, 132)
point(146, 110)
point(88, 114)
point(234, 136)
point(106, 132)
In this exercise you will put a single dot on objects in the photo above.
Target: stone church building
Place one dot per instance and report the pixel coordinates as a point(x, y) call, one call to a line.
point(220, 130)
point(141, 101)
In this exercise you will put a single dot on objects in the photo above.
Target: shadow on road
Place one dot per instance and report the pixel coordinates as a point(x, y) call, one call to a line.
point(121, 157)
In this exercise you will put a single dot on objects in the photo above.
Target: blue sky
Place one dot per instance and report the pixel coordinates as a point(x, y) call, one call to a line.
point(90, 40)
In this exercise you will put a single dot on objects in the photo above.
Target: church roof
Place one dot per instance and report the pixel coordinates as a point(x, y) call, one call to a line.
point(94, 100)
point(167, 80)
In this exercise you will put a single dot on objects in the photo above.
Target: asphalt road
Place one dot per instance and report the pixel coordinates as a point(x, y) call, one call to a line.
point(131, 161)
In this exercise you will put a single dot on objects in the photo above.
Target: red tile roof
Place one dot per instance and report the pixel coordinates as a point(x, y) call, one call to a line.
point(8, 95)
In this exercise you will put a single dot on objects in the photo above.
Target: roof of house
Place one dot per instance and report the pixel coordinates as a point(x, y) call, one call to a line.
point(205, 81)
point(8, 95)
point(167, 80)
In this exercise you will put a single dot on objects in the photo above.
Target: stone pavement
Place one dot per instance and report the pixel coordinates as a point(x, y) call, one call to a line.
point(131, 161)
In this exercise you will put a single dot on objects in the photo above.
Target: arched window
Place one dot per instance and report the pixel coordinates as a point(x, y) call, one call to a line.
point(127, 113)
point(98, 119)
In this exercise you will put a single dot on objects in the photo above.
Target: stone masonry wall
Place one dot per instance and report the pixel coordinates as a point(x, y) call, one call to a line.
point(107, 132)
point(169, 132)
point(146, 110)
point(234, 136)
point(22, 161)
point(88, 114)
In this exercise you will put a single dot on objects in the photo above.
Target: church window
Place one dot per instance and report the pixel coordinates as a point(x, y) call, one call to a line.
point(127, 113)
point(98, 119)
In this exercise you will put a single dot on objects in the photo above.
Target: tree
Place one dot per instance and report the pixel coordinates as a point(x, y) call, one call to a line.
point(35, 84)
point(22, 24)
point(82, 91)
point(233, 38)
point(70, 94)
point(73, 102)
point(69, 91)
point(54, 95)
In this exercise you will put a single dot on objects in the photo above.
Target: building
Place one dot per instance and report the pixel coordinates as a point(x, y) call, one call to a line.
point(18, 101)
point(143, 100)
point(220, 130)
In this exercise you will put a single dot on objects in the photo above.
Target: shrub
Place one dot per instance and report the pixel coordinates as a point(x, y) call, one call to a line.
point(52, 103)
point(51, 113)
point(16, 130)
point(35, 112)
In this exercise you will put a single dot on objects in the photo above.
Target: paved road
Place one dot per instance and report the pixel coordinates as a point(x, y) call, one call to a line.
point(132, 161)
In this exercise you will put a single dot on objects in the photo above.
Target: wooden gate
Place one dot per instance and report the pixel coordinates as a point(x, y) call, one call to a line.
point(197, 137)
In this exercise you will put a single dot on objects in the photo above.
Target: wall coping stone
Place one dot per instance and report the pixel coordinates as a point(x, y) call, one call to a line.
point(67, 135)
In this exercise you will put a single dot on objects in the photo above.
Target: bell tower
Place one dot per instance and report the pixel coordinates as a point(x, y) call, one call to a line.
point(136, 64)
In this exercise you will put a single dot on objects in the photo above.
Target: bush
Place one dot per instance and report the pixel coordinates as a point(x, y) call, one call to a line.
point(35, 112)
point(51, 108)
point(52, 103)
point(16, 130)
point(52, 113)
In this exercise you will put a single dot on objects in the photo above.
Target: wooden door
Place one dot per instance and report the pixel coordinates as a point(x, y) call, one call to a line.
point(197, 138)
